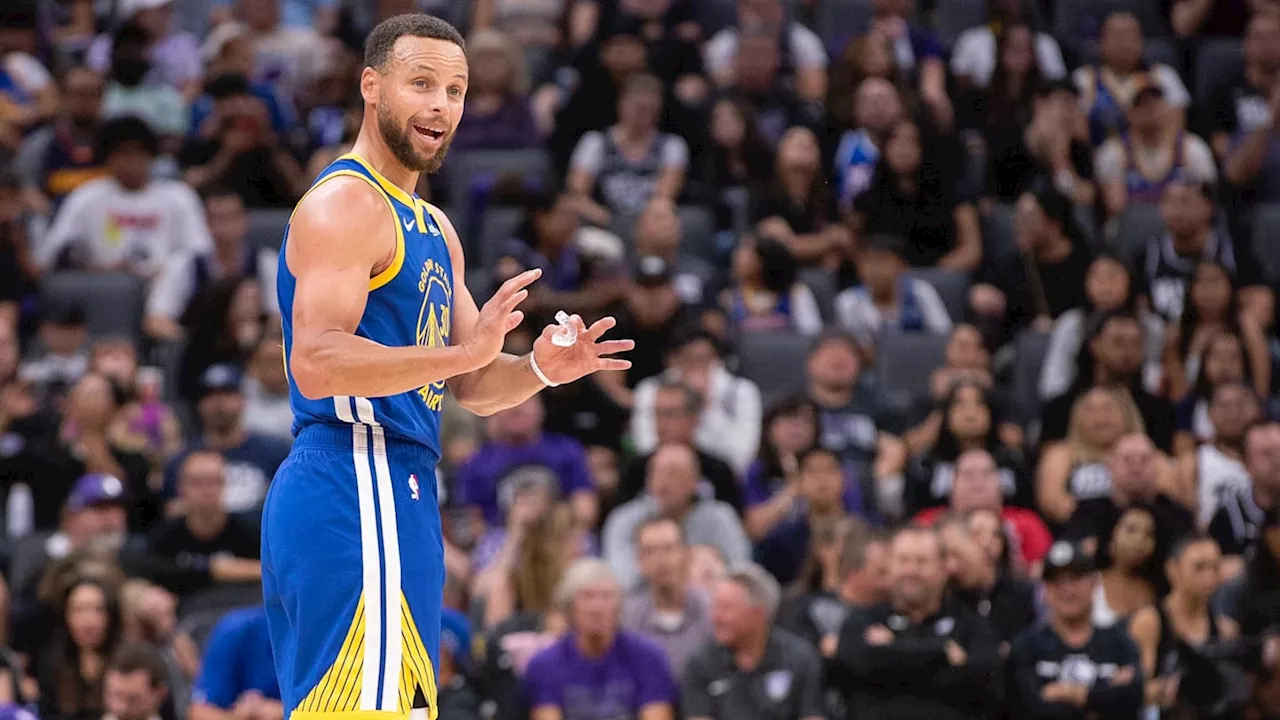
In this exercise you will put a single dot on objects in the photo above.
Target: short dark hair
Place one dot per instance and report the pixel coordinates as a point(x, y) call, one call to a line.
point(139, 657)
point(655, 519)
point(1186, 541)
point(692, 400)
point(377, 47)
point(117, 133)
point(853, 551)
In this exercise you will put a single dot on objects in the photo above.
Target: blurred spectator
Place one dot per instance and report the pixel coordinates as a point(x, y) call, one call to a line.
point(1111, 356)
point(751, 667)
point(149, 614)
point(1108, 286)
point(977, 488)
point(1237, 524)
point(1168, 262)
point(975, 56)
point(921, 654)
point(517, 447)
point(978, 581)
point(1213, 311)
point(918, 201)
point(888, 301)
point(537, 25)
point(1008, 105)
point(60, 355)
point(1225, 360)
point(966, 360)
point(266, 392)
point(1136, 166)
point(251, 459)
point(919, 53)
point(869, 56)
point(676, 408)
point(129, 91)
point(1055, 144)
point(1214, 471)
point(669, 285)
point(877, 108)
point(967, 420)
point(535, 550)
point(28, 95)
point(1069, 667)
point(598, 669)
point(821, 493)
point(851, 418)
point(861, 582)
point(286, 56)
point(498, 113)
point(145, 424)
point(1132, 574)
point(1176, 635)
point(673, 35)
point(237, 678)
point(766, 293)
point(1109, 88)
point(71, 675)
point(729, 425)
point(761, 78)
point(672, 492)
point(60, 157)
point(456, 697)
point(614, 173)
point(135, 684)
point(1242, 111)
point(225, 324)
point(737, 162)
point(215, 546)
point(667, 609)
point(799, 209)
point(94, 518)
point(229, 50)
point(126, 221)
point(1021, 294)
point(175, 54)
point(806, 68)
point(508, 649)
point(16, 270)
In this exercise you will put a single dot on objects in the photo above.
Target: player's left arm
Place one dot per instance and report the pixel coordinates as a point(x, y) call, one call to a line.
point(509, 380)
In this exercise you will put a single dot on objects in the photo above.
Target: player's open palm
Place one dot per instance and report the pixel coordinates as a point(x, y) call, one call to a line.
point(498, 317)
point(589, 354)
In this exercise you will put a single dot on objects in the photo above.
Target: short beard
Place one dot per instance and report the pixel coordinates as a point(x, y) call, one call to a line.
point(397, 140)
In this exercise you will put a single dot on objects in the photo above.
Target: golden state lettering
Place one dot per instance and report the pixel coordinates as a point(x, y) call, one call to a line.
point(434, 321)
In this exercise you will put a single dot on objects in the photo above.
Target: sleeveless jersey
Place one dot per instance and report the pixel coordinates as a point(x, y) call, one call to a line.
point(1142, 188)
point(409, 303)
point(1219, 477)
point(1168, 274)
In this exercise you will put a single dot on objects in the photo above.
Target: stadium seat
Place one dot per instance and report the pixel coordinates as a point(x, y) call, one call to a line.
point(904, 362)
point(998, 243)
point(497, 226)
point(822, 283)
point(464, 169)
point(221, 598)
point(952, 287)
point(1031, 350)
point(266, 228)
point(1217, 60)
point(1266, 238)
point(774, 361)
point(1139, 224)
point(113, 301)
point(956, 16)
point(698, 231)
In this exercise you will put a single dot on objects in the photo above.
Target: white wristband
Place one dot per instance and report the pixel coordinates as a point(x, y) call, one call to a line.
point(533, 363)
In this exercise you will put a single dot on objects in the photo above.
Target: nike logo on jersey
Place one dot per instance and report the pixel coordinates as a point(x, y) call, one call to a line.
point(409, 223)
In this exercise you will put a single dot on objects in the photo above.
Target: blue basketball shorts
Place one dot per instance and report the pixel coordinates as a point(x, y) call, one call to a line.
point(353, 575)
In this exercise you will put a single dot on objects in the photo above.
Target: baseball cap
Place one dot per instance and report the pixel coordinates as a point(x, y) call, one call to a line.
point(222, 377)
point(455, 636)
point(94, 490)
point(652, 270)
point(1066, 558)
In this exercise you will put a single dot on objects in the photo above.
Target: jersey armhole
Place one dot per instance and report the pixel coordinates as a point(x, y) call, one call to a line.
point(397, 259)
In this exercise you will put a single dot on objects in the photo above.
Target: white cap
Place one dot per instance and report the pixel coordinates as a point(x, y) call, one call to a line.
point(129, 8)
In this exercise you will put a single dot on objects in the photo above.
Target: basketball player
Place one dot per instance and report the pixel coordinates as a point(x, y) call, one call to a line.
point(378, 325)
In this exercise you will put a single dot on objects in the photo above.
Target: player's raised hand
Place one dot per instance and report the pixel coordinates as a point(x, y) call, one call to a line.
point(498, 317)
point(588, 355)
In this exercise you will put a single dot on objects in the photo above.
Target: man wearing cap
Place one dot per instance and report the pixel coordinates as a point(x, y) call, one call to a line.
point(654, 311)
point(1135, 167)
point(252, 459)
point(921, 655)
point(1066, 667)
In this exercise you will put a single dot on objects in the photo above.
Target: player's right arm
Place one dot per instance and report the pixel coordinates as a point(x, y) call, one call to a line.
point(339, 237)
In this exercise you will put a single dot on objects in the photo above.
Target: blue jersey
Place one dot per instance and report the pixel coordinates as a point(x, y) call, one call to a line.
point(409, 304)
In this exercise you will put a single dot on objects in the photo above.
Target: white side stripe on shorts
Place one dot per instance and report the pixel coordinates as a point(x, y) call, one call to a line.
point(370, 563)
point(393, 650)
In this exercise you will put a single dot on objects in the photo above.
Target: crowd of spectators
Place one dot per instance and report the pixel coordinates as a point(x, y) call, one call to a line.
point(952, 395)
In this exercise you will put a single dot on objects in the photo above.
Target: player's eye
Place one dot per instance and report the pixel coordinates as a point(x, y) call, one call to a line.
point(420, 83)
point(455, 91)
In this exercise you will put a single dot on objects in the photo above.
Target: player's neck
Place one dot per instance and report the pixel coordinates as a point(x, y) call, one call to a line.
point(374, 151)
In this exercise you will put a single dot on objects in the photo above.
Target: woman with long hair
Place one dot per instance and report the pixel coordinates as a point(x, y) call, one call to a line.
point(1212, 309)
point(71, 677)
point(1226, 358)
point(867, 56)
point(1132, 576)
point(1076, 469)
point(770, 487)
point(799, 208)
point(1005, 105)
point(524, 578)
point(225, 323)
point(820, 572)
point(766, 293)
point(737, 166)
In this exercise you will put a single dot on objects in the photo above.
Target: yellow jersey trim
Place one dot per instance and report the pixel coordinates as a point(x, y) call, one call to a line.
point(397, 260)
point(388, 187)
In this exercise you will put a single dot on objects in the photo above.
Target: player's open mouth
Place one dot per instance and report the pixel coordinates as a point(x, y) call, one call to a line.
point(429, 132)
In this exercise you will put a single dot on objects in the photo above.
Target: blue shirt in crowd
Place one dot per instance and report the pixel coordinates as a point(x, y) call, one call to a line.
point(237, 659)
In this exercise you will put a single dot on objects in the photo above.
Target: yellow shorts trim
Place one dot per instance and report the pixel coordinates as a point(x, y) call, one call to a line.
point(348, 715)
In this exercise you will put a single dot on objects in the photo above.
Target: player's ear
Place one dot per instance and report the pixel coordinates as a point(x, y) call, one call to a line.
point(369, 84)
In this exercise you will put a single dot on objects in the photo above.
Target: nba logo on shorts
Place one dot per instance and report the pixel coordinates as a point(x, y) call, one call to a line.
point(413, 486)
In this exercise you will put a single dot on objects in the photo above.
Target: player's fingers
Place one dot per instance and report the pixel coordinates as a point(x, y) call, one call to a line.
point(519, 282)
point(600, 327)
point(516, 298)
point(575, 322)
point(514, 320)
point(613, 364)
point(612, 347)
